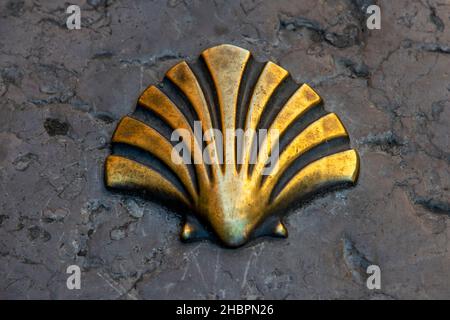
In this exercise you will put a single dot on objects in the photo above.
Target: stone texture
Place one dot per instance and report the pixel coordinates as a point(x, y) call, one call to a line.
point(63, 91)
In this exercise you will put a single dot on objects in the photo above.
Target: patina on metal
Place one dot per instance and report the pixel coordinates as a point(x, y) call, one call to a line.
point(228, 89)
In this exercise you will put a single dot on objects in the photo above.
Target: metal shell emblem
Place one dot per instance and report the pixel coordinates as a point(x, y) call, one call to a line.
point(230, 201)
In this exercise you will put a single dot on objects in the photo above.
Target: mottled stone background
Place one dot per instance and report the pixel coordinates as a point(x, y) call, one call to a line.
point(62, 92)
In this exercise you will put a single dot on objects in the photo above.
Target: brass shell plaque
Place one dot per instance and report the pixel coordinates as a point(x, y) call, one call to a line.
point(231, 201)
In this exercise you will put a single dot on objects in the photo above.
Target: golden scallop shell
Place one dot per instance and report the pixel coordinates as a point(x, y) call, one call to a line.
point(232, 201)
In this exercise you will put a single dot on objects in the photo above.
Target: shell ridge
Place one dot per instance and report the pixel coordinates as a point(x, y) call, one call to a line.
point(252, 71)
point(269, 80)
point(186, 81)
point(127, 174)
point(341, 167)
point(206, 83)
point(158, 102)
point(294, 108)
point(227, 65)
point(147, 160)
point(320, 134)
point(138, 134)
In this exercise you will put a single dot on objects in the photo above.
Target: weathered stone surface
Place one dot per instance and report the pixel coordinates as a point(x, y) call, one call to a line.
point(62, 92)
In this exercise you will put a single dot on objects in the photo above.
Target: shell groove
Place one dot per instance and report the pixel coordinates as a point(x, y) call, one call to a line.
point(228, 90)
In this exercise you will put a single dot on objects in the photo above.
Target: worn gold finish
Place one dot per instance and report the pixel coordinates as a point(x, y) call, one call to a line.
point(234, 202)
